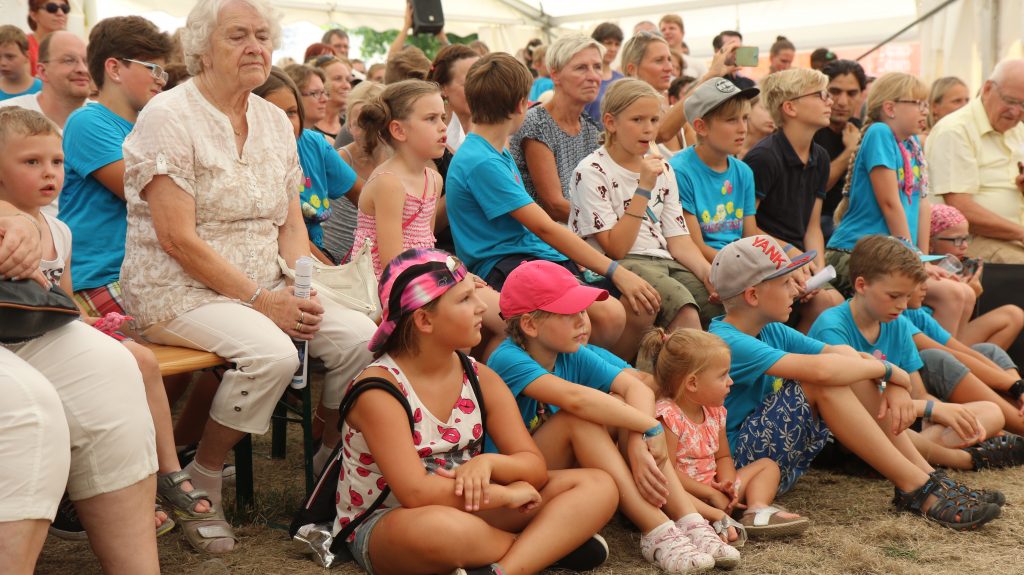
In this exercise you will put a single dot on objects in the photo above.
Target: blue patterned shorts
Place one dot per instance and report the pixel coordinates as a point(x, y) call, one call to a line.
point(784, 429)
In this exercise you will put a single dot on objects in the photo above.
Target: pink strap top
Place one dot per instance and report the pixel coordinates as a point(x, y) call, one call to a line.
point(417, 216)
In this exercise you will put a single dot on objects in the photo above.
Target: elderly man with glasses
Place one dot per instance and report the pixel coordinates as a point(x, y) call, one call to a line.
point(976, 164)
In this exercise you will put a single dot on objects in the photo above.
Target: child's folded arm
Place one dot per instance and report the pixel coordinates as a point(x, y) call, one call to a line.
point(828, 369)
point(590, 404)
point(520, 459)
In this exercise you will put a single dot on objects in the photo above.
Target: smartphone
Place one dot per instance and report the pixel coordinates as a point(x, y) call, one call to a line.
point(747, 56)
point(970, 266)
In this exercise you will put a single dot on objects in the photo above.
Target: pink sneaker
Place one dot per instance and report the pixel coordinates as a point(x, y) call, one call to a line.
point(671, 550)
point(705, 540)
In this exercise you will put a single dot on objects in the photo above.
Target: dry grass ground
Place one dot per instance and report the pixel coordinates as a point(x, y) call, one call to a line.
point(854, 532)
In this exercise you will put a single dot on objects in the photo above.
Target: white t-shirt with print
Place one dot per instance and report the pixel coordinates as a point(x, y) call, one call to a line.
point(54, 269)
point(600, 192)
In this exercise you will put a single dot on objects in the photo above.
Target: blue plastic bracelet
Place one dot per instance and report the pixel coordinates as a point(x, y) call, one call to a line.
point(654, 431)
point(888, 371)
point(611, 269)
point(642, 192)
point(928, 407)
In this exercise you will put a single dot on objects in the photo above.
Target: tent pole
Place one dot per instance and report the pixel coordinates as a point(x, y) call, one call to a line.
point(930, 13)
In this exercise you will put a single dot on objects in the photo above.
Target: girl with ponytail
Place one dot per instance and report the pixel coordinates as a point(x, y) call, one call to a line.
point(886, 193)
point(691, 374)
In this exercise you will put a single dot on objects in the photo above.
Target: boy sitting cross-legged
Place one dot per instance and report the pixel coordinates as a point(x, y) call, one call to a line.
point(563, 394)
point(790, 391)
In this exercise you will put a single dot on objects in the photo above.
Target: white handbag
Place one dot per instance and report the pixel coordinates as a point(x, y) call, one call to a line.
point(353, 285)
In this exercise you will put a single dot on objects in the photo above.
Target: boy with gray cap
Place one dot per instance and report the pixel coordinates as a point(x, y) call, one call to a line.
point(716, 189)
point(790, 391)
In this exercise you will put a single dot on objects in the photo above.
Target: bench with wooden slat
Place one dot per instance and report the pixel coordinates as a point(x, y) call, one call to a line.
point(174, 360)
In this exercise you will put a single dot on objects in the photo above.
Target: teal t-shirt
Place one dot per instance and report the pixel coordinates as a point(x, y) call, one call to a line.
point(35, 88)
point(98, 219)
point(878, 148)
point(518, 370)
point(327, 177)
point(752, 357)
point(719, 200)
point(923, 320)
point(483, 186)
point(895, 341)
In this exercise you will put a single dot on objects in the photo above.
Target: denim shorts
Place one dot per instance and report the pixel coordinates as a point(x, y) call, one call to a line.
point(785, 429)
point(360, 546)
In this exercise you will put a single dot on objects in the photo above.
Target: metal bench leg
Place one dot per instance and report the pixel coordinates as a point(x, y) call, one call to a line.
point(279, 429)
point(243, 474)
point(307, 436)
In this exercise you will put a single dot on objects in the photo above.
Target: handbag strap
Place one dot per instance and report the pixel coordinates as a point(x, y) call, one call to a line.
point(474, 382)
point(358, 388)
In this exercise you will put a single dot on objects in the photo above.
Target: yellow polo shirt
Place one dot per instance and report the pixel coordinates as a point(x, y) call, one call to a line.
point(966, 156)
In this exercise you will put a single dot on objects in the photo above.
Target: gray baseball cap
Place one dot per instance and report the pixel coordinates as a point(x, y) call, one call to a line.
point(712, 94)
point(749, 261)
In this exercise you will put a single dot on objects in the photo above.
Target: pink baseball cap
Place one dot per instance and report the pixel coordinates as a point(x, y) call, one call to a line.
point(545, 286)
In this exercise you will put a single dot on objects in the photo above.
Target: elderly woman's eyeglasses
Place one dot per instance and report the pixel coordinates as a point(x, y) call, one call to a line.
point(922, 105)
point(53, 7)
point(958, 241)
point(822, 94)
point(155, 70)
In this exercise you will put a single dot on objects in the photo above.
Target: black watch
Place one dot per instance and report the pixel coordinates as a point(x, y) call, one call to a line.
point(1017, 389)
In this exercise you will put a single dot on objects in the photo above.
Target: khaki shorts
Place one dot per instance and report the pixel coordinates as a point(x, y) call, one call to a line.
point(996, 251)
point(840, 260)
point(264, 357)
point(678, 287)
point(112, 439)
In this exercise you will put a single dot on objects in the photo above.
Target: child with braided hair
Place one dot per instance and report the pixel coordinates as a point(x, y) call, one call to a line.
point(886, 193)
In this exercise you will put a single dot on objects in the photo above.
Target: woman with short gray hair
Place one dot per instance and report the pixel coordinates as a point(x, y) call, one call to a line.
point(212, 182)
point(556, 135)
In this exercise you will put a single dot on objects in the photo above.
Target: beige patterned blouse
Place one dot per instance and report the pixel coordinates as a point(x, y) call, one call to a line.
point(240, 201)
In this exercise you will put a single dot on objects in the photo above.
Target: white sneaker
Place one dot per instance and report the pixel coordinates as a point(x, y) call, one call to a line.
point(704, 538)
point(670, 549)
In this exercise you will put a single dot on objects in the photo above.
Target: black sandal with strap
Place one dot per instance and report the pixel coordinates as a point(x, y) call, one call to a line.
point(983, 495)
point(1005, 450)
point(950, 509)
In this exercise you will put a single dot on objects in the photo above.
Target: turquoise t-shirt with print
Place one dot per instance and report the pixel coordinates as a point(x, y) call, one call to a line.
point(719, 200)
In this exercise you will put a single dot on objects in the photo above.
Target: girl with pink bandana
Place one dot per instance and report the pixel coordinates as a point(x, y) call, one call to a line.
point(950, 235)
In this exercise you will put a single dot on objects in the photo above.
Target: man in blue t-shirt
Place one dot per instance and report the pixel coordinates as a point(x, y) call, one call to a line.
point(128, 71)
point(563, 391)
point(885, 276)
point(790, 391)
point(497, 225)
point(715, 189)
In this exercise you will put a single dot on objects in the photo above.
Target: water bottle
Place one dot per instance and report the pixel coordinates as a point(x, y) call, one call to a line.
point(303, 285)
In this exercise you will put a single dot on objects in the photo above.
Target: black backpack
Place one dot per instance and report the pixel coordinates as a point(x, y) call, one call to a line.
point(320, 506)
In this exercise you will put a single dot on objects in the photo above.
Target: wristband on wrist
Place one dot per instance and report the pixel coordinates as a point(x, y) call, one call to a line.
point(255, 296)
point(633, 215)
point(611, 269)
point(888, 371)
point(642, 192)
point(1017, 389)
point(654, 432)
point(928, 407)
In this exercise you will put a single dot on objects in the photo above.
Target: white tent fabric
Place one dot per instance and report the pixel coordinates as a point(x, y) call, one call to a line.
point(966, 38)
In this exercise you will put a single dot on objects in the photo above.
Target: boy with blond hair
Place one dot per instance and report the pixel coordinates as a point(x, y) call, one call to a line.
point(790, 391)
point(14, 77)
point(791, 173)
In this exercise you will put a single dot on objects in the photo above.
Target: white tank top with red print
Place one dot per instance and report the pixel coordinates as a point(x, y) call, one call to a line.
point(448, 443)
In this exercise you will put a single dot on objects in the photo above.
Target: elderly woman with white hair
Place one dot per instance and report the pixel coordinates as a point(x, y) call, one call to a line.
point(556, 135)
point(212, 181)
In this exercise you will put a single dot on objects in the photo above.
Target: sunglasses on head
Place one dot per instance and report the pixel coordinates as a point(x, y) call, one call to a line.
point(52, 7)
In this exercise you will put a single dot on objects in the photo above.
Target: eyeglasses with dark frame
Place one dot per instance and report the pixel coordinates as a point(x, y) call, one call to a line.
point(958, 241)
point(155, 70)
point(922, 105)
point(824, 95)
point(53, 7)
point(315, 94)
